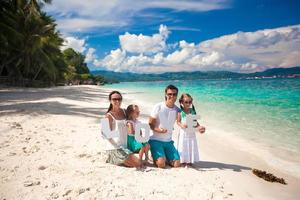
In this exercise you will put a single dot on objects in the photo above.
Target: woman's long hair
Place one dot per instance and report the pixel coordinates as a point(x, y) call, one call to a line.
point(109, 97)
point(181, 101)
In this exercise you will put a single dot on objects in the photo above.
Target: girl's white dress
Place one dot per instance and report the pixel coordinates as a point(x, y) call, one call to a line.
point(187, 144)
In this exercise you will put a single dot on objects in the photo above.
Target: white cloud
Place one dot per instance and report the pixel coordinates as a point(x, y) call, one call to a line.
point(133, 63)
point(145, 44)
point(186, 52)
point(180, 28)
point(77, 44)
point(264, 48)
point(205, 59)
point(292, 59)
point(113, 61)
point(78, 15)
point(158, 58)
point(83, 24)
point(258, 39)
point(137, 60)
point(250, 67)
point(188, 5)
point(90, 55)
point(240, 52)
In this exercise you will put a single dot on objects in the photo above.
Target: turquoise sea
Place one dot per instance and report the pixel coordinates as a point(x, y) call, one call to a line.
point(265, 111)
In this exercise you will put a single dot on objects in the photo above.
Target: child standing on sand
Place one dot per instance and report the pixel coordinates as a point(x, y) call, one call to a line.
point(133, 113)
point(187, 142)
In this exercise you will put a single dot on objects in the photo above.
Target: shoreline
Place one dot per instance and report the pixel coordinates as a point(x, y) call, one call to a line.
point(51, 148)
point(279, 159)
point(262, 157)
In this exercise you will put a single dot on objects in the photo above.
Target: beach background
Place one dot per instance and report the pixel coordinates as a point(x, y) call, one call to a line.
point(51, 146)
point(264, 113)
point(59, 63)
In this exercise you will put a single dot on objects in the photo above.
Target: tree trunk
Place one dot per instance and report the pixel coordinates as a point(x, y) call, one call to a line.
point(1, 69)
point(36, 75)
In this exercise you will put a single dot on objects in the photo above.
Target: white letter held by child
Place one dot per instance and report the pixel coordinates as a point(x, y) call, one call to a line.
point(144, 137)
point(191, 122)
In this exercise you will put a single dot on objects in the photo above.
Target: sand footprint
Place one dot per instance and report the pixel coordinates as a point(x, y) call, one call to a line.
point(83, 190)
point(16, 125)
point(42, 167)
point(54, 195)
point(84, 155)
point(67, 193)
point(32, 150)
point(31, 183)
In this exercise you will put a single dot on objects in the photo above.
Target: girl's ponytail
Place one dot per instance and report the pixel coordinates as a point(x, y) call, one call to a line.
point(180, 101)
point(193, 108)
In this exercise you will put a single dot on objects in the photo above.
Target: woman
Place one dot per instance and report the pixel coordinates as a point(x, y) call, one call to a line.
point(117, 153)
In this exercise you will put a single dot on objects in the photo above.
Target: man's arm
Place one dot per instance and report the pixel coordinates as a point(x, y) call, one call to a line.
point(152, 122)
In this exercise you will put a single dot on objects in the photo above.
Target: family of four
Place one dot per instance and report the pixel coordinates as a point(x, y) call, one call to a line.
point(121, 150)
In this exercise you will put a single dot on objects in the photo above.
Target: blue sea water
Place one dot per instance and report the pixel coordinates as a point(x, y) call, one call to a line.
point(266, 111)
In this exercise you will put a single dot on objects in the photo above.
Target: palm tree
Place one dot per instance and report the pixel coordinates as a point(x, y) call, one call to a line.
point(29, 42)
point(10, 36)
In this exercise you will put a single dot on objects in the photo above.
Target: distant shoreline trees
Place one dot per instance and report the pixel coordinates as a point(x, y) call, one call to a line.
point(30, 53)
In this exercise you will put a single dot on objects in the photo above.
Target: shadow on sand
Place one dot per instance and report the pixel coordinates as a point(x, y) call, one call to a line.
point(200, 166)
point(210, 166)
point(42, 101)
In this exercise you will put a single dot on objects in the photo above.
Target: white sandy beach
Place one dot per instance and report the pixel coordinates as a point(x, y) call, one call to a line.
point(51, 149)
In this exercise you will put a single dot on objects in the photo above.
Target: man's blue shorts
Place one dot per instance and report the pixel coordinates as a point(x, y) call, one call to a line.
point(163, 149)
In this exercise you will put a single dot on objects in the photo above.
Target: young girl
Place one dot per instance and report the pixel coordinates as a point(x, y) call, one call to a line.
point(133, 113)
point(187, 142)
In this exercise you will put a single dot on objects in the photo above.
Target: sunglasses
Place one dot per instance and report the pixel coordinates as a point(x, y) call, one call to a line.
point(172, 94)
point(116, 99)
point(188, 102)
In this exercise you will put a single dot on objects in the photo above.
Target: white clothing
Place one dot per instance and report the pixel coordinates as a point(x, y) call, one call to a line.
point(187, 145)
point(120, 126)
point(134, 123)
point(165, 118)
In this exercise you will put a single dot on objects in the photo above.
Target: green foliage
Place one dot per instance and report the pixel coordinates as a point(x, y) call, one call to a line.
point(30, 45)
point(70, 74)
point(30, 48)
point(84, 77)
point(99, 80)
point(76, 60)
point(77, 72)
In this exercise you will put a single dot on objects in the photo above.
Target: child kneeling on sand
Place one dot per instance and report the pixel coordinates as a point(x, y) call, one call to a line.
point(132, 113)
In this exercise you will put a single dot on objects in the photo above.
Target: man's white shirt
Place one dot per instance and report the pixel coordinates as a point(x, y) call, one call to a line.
point(165, 118)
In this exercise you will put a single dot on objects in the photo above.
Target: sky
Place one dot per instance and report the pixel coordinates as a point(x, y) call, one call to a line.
point(157, 36)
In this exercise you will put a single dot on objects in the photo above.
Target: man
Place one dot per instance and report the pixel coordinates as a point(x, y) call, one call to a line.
point(161, 121)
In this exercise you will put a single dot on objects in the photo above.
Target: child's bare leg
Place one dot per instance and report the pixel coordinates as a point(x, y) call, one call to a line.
point(147, 148)
point(141, 152)
point(146, 156)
